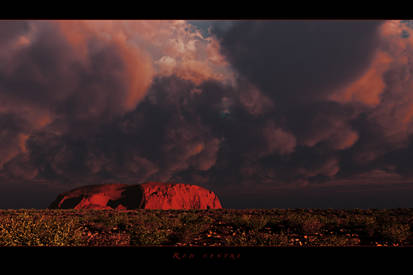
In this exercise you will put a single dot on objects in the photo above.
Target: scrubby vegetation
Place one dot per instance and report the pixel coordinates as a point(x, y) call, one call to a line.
point(224, 227)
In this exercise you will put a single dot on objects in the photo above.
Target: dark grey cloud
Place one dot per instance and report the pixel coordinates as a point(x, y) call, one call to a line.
point(10, 30)
point(46, 79)
point(12, 131)
point(277, 126)
point(296, 61)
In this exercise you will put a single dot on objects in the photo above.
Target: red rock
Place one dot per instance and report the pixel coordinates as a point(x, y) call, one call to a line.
point(150, 195)
point(178, 196)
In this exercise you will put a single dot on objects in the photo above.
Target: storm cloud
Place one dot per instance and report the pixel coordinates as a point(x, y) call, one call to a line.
point(247, 109)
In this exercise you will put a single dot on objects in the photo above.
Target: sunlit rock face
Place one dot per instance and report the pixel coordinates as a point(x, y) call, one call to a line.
point(150, 195)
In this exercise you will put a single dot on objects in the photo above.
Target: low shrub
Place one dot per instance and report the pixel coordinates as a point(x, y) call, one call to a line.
point(228, 227)
point(394, 232)
point(23, 230)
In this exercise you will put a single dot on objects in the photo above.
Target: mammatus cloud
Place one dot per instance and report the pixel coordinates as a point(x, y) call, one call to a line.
point(255, 105)
point(382, 96)
point(385, 86)
point(60, 81)
point(278, 140)
point(339, 93)
point(49, 75)
point(296, 61)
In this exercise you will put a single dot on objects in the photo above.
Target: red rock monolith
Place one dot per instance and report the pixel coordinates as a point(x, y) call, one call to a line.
point(150, 195)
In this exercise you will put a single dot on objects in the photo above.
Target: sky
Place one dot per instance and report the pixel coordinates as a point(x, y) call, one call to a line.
point(265, 113)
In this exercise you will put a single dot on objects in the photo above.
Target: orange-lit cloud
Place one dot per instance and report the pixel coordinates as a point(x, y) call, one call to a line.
point(254, 100)
point(262, 104)
point(174, 46)
point(278, 140)
point(394, 112)
point(66, 70)
point(369, 86)
point(138, 70)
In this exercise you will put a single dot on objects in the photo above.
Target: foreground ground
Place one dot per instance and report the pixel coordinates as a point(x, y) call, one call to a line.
point(224, 227)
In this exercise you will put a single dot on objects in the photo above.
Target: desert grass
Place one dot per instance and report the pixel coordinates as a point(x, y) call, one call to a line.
point(223, 227)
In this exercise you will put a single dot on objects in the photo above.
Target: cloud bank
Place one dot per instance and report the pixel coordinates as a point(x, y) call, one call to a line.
point(253, 105)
